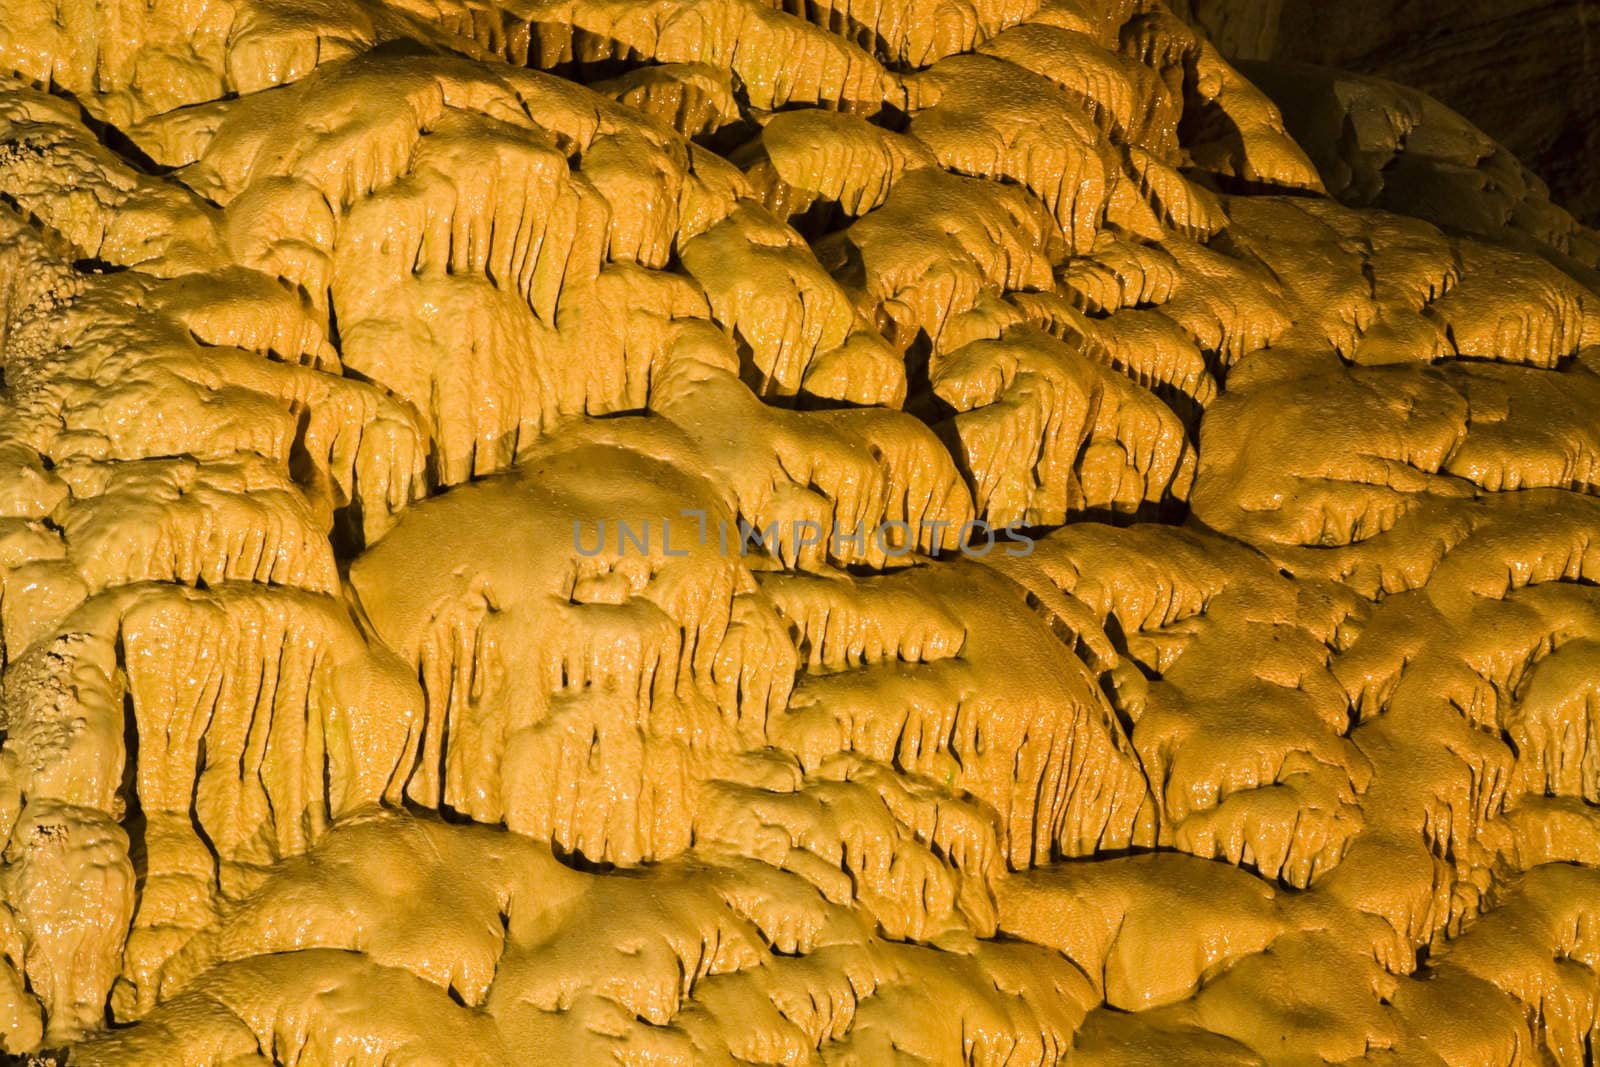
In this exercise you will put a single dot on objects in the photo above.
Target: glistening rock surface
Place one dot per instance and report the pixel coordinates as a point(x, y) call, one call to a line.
point(390, 390)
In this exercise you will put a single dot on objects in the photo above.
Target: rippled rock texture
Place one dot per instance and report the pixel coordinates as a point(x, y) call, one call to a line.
point(497, 558)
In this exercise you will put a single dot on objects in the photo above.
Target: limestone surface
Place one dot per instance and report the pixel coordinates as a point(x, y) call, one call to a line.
point(722, 532)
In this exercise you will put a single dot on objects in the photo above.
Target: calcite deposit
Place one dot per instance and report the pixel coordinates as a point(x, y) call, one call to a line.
point(715, 532)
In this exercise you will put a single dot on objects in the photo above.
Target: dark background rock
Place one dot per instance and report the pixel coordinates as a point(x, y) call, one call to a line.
point(1526, 72)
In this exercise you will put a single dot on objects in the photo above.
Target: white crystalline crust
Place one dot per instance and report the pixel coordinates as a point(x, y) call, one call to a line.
point(342, 342)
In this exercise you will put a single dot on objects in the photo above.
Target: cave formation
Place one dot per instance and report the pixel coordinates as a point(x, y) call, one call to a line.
point(1160, 623)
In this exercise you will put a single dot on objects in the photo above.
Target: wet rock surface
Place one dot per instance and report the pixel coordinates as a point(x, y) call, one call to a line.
point(707, 532)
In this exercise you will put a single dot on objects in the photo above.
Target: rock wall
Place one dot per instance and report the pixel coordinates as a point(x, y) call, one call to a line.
point(705, 532)
point(1527, 72)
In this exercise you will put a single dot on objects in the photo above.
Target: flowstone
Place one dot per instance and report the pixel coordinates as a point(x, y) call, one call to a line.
point(708, 532)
